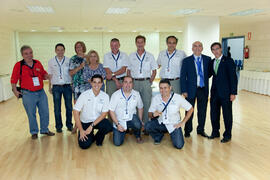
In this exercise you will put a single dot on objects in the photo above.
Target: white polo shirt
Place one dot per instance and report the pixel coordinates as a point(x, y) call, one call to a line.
point(142, 66)
point(124, 107)
point(115, 62)
point(59, 71)
point(171, 115)
point(171, 63)
point(91, 106)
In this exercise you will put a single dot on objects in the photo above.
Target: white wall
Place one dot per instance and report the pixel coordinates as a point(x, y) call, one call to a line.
point(7, 50)
point(203, 29)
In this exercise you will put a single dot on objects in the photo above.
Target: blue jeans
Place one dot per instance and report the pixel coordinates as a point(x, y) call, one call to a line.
point(32, 101)
point(66, 91)
point(135, 124)
point(157, 131)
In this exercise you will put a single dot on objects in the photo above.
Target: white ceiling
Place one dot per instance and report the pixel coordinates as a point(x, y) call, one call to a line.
point(144, 15)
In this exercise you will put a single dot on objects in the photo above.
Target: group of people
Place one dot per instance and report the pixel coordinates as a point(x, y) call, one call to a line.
point(125, 103)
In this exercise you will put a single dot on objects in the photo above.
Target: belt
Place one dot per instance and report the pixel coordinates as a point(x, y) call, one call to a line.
point(31, 91)
point(172, 79)
point(121, 78)
point(61, 84)
point(141, 79)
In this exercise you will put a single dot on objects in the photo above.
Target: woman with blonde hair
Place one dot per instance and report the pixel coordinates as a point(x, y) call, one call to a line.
point(91, 68)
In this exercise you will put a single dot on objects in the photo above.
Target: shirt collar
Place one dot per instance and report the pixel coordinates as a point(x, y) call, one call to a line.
point(219, 57)
point(195, 57)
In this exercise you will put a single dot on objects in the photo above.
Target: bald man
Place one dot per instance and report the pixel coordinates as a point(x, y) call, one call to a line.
point(194, 85)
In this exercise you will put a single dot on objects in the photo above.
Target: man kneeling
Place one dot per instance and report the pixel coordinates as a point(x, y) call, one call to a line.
point(165, 115)
point(90, 111)
point(123, 112)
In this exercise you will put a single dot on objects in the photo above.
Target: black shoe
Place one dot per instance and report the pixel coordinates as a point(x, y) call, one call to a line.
point(59, 130)
point(203, 134)
point(225, 140)
point(187, 135)
point(156, 142)
point(214, 136)
point(34, 136)
point(70, 129)
point(49, 133)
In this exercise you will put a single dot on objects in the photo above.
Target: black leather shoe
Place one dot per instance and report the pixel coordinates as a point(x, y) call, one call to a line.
point(59, 130)
point(203, 134)
point(49, 133)
point(225, 140)
point(70, 129)
point(214, 136)
point(34, 136)
point(187, 135)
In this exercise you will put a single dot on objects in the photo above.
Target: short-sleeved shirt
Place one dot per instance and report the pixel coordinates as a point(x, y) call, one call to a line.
point(171, 63)
point(77, 79)
point(88, 73)
point(116, 62)
point(124, 107)
point(91, 106)
point(59, 71)
point(31, 77)
point(171, 115)
point(142, 66)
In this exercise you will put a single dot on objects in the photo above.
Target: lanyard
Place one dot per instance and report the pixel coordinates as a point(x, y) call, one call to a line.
point(141, 60)
point(116, 60)
point(169, 58)
point(166, 105)
point(127, 99)
point(60, 65)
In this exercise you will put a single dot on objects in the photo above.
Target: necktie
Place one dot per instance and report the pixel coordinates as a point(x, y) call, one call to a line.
point(199, 68)
point(217, 64)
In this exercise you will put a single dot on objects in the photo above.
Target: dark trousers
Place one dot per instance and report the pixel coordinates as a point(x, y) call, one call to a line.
point(58, 92)
point(135, 124)
point(157, 131)
point(216, 103)
point(103, 127)
point(202, 100)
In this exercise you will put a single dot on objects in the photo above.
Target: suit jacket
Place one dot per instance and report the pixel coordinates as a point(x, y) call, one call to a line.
point(188, 78)
point(224, 83)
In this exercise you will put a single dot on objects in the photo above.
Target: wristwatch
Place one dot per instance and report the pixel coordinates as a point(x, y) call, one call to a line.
point(92, 124)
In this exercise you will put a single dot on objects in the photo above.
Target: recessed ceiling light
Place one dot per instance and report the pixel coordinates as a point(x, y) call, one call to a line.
point(186, 11)
point(247, 12)
point(117, 11)
point(134, 31)
point(85, 30)
point(60, 30)
point(179, 31)
point(41, 9)
point(110, 31)
point(33, 30)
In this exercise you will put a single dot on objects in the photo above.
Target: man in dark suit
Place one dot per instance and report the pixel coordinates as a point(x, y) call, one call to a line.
point(194, 85)
point(223, 92)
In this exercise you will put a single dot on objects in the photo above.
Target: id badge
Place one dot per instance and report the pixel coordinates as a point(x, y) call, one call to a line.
point(140, 75)
point(165, 119)
point(35, 81)
point(167, 72)
point(126, 116)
